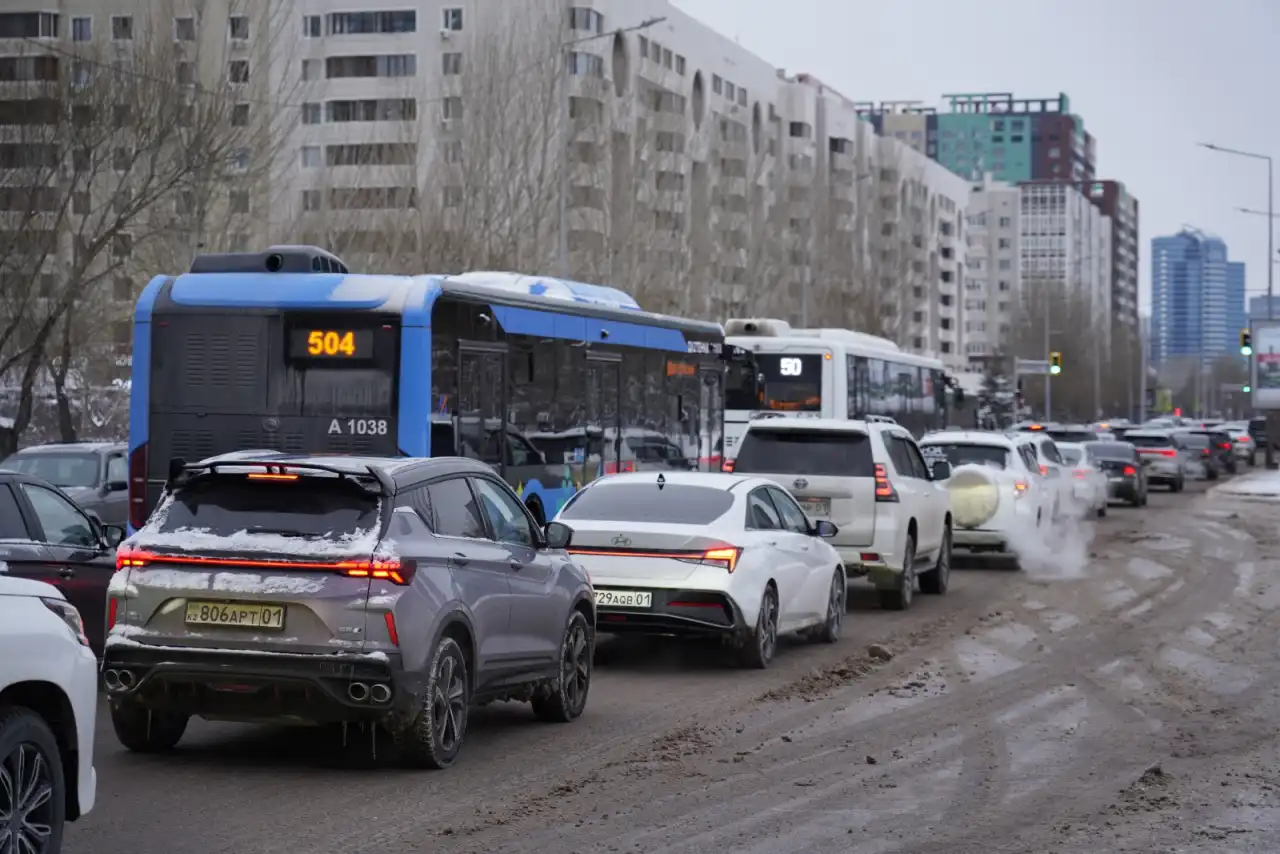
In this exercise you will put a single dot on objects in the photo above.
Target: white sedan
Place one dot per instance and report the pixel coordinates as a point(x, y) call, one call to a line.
point(704, 554)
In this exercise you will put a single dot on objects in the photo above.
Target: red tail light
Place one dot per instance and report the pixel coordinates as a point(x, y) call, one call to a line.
point(113, 606)
point(726, 557)
point(727, 465)
point(385, 569)
point(1204, 452)
point(1080, 473)
point(1129, 471)
point(1044, 470)
point(1020, 488)
point(884, 488)
point(1165, 452)
point(1226, 446)
point(390, 619)
point(138, 487)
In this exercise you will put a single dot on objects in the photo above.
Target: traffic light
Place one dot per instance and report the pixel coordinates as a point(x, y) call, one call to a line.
point(1246, 388)
point(1246, 342)
point(1055, 363)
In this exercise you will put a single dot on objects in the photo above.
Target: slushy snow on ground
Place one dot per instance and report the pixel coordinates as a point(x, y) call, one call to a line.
point(1260, 486)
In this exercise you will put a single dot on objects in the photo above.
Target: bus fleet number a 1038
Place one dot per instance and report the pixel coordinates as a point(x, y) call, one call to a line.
point(358, 427)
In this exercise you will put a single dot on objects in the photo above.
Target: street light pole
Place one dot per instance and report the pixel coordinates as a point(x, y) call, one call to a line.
point(1273, 423)
point(564, 118)
point(1048, 377)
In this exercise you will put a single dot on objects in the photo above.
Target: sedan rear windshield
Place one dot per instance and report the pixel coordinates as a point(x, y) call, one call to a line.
point(673, 504)
point(1122, 451)
point(962, 454)
point(310, 508)
point(1196, 440)
point(806, 452)
point(1148, 441)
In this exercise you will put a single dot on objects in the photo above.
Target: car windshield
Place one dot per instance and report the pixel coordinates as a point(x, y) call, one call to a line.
point(1139, 441)
point(960, 454)
point(311, 508)
point(673, 504)
point(1121, 451)
point(1071, 456)
point(65, 470)
point(1196, 440)
point(832, 453)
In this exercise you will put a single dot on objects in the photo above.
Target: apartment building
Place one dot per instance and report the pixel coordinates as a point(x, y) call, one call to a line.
point(993, 288)
point(1116, 203)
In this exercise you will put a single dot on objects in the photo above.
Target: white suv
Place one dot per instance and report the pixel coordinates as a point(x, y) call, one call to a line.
point(870, 480)
point(48, 714)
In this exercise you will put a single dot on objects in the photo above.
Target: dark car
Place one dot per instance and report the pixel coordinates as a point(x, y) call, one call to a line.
point(1126, 476)
point(44, 536)
point(324, 590)
point(94, 474)
point(1258, 431)
point(1200, 446)
point(1220, 448)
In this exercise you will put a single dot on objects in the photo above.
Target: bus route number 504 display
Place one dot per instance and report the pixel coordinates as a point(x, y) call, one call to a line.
point(331, 344)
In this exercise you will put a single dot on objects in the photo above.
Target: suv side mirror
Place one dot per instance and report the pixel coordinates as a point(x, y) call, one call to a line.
point(558, 535)
point(113, 535)
point(941, 470)
point(117, 485)
point(826, 530)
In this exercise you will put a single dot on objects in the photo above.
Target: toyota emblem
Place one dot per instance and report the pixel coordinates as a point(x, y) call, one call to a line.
point(621, 540)
point(800, 483)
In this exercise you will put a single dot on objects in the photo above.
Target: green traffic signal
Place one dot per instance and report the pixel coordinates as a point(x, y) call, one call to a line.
point(1246, 342)
point(1055, 363)
point(1246, 388)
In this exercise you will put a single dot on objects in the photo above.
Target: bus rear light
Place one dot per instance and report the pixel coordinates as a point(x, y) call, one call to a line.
point(138, 487)
point(884, 488)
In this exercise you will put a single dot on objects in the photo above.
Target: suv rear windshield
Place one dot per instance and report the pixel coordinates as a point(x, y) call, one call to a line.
point(1196, 440)
point(1072, 456)
point(807, 452)
point(963, 454)
point(1111, 451)
point(311, 508)
point(673, 504)
point(1149, 441)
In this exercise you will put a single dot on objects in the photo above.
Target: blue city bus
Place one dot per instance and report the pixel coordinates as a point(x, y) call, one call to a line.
point(547, 380)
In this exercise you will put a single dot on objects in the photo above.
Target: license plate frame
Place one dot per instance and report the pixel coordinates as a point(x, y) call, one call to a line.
point(817, 507)
point(638, 600)
point(269, 615)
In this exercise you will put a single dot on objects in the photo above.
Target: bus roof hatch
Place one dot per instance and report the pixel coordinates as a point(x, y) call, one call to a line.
point(276, 259)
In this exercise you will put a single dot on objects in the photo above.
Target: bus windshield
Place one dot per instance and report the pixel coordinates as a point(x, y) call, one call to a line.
point(792, 382)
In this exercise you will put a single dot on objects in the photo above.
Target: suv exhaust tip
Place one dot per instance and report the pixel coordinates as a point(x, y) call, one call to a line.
point(358, 692)
point(126, 679)
point(111, 679)
point(380, 693)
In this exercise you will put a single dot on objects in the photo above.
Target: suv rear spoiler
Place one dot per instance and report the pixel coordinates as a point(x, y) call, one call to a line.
point(372, 479)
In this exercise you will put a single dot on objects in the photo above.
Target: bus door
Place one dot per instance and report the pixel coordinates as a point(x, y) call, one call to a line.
point(711, 418)
point(604, 384)
point(479, 419)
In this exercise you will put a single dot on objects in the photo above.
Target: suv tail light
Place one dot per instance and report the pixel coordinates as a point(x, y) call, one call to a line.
point(138, 487)
point(382, 568)
point(1020, 488)
point(1129, 471)
point(727, 466)
point(1044, 470)
point(884, 488)
point(1226, 446)
point(1080, 473)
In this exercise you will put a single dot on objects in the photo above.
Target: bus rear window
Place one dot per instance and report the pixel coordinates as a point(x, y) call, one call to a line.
point(792, 383)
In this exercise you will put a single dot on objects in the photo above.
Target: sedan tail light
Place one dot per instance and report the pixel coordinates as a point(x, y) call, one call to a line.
point(1129, 471)
point(725, 557)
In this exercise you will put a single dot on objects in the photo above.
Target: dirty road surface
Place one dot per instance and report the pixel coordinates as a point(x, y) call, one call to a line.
point(1128, 703)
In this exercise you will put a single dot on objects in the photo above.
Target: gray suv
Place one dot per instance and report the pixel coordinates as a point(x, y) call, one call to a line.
point(395, 593)
point(93, 474)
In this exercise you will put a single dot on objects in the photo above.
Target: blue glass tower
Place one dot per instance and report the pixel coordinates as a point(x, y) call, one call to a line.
point(1197, 298)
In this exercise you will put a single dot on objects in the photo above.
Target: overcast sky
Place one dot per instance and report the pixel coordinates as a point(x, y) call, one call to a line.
point(1150, 78)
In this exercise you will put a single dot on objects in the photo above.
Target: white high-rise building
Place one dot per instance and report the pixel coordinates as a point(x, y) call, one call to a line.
point(994, 284)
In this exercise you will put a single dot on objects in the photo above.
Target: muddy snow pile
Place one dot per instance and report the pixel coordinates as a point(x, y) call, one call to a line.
point(1259, 486)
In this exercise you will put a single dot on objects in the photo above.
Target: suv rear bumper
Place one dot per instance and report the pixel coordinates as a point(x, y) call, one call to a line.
point(232, 685)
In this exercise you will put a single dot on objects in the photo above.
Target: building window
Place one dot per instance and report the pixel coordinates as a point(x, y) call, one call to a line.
point(585, 20)
point(239, 202)
point(312, 200)
point(717, 85)
point(82, 29)
point(122, 245)
point(644, 48)
point(240, 160)
point(238, 71)
point(452, 64)
point(799, 130)
point(311, 113)
point(311, 158)
point(184, 29)
point(186, 73)
point(311, 69)
point(667, 58)
point(452, 108)
point(122, 28)
point(123, 287)
point(121, 159)
point(238, 27)
point(240, 115)
point(452, 19)
point(312, 27)
point(586, 64)
point(680, 67)
point(386, 65)
point(1003, 243)
point(373, 23)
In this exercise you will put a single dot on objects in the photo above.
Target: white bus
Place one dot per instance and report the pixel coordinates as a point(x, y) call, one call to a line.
point(834, 373)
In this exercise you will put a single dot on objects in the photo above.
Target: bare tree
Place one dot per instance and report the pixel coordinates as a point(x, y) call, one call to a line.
point(1073, 333)
point(99, 145)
